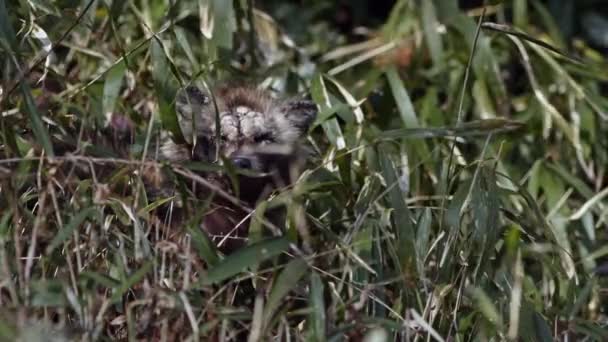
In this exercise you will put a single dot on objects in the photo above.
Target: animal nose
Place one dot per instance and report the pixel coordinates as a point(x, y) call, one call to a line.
point(241, 162)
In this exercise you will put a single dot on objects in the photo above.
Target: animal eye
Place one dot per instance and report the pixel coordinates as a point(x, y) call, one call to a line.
point(263, 137)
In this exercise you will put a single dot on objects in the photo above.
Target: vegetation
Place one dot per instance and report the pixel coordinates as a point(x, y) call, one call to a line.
point(458, 188)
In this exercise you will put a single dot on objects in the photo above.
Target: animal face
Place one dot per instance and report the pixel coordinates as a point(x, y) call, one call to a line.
point(252, 130)
point(251, 126)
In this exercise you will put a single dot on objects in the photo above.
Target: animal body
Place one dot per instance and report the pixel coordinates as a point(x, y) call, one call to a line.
point(249, 129)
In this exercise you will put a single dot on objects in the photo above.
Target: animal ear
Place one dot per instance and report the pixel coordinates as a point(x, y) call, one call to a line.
point(300, 113)
point(194, 112)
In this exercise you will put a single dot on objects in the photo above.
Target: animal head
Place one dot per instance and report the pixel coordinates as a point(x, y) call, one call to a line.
point(244, 125)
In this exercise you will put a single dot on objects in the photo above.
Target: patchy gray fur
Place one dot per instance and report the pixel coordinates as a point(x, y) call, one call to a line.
point(249, 119)
point(254, 131)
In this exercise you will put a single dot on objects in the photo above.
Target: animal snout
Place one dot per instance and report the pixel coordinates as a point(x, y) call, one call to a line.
point(242, 162)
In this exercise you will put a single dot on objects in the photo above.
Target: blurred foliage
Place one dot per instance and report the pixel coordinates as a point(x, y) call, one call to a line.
point(458, 190)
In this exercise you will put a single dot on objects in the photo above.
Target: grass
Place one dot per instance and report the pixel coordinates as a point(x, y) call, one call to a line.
point(457, 190)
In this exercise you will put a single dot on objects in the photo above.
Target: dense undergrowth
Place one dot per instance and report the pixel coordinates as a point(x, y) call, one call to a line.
point(458, 188)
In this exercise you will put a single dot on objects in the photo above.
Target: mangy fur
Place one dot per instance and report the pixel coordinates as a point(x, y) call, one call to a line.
point(252, 125)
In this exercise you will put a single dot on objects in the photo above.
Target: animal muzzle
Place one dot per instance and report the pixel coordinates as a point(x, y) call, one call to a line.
point(262, 159)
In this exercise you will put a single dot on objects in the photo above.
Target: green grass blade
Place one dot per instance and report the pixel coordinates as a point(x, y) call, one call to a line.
point(244, 258)
point(135, 278)
point(204, 246)
point(111, 88)
point(477, 128)
point(432, 37)
point(66, 231)
point(165, 90)
point(317, 313)
point(286, 280)
point(401, 216)
point(101, 279)
point(487, 308)
point(40, 131)
point(6, 30)
point(330, 126)
point(402, 98)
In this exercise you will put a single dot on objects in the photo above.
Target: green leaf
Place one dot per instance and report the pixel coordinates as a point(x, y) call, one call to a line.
point(224, 22)
point(485, 205)
point(7, 331)
point(327, 113)
point(532, 325)
point(40, 131)
point(165, 90)
point(48, 293)
point(156, 204)
point(407, 112)
point(520, 13)
point(485, 64)
point(244, 258)
point(4, 223)
point(256, 223)
point(476, 128)
point(402, 98)
point(541, 328)
point(101, 279)
point(7, 37)
point(582, 298)
point(66, 231)
point(182, 40)
point(132, 280)
point(486, 306)
point(6, 30)
point(423, 234)
point(204, 246)
point(287, 280)
point(331, 126)
point(317, 312)
point(431, 34)
point(111, 87)
point(401, 217)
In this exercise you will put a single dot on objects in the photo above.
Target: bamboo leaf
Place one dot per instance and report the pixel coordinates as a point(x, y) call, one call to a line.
point(135, 278)
point(66, 231)
point(244, 258)
point(111, 88)
point(165, 90)
point(286, 280)
point(317, 313)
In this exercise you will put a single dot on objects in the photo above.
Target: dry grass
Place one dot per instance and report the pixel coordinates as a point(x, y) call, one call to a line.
point(457, 190)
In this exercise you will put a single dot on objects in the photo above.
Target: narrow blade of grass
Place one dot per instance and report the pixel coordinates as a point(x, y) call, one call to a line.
point(66, 231)
point(514, 32)
point(430, 26)
point(111, 87)
point(331, 127)
point(475, 128)
point(486, 306)
point(135, 278)
point(317, 313)
point(287, 280)
point(101, 279)
point(404, 103)
point(165, 92)
point(244, 258)
point(401, 216)
point(8, 34)
point(40, 131)
point(204, 246)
